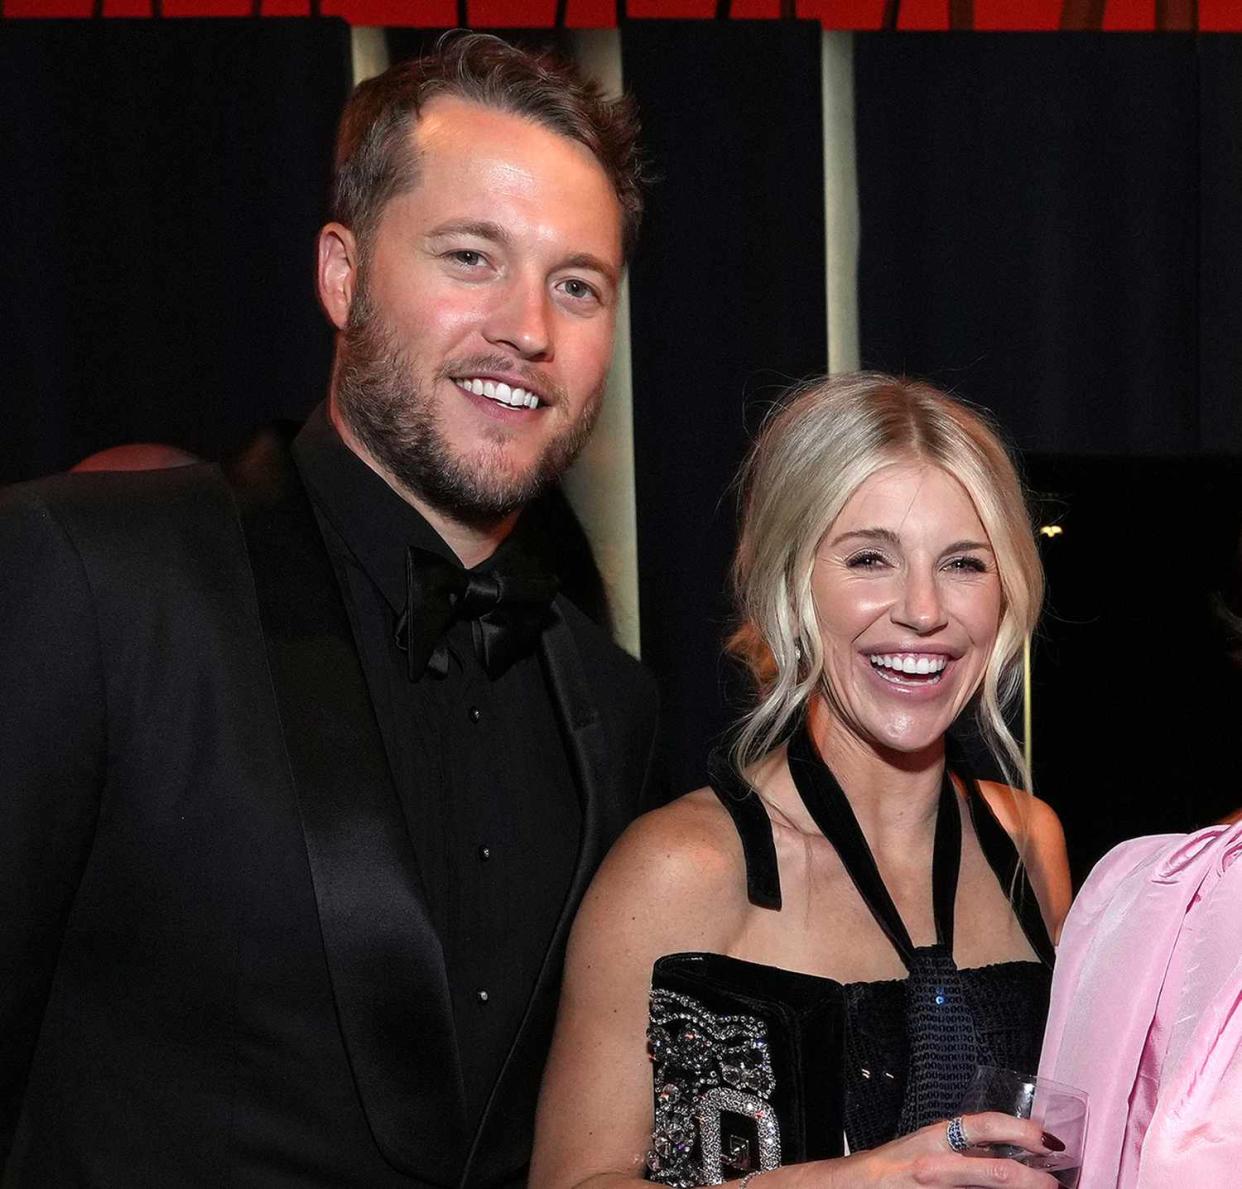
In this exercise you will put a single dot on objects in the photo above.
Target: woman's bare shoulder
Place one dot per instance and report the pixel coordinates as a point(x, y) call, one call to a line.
point(688, 844)
point(1023, 814)
point(677, 868)
point(1034, 826)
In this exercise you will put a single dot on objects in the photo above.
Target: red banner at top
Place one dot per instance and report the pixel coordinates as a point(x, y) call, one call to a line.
point(984, 15)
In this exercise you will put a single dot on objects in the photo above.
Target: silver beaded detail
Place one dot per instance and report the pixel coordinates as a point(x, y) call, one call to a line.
point(708, 1113)
point(706, 1064)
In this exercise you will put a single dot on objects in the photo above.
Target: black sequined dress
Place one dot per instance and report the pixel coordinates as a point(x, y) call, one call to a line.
point(757, 1066)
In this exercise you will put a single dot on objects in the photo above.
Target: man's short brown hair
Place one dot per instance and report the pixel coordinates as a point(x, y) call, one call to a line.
point(375, 162)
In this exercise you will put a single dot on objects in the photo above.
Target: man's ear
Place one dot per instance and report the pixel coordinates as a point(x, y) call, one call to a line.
point(337, 273)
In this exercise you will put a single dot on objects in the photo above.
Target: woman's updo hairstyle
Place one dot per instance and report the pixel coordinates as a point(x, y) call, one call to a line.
point(813, 452)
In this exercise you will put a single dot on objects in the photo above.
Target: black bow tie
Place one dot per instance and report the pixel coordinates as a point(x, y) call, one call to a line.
point(507, 611)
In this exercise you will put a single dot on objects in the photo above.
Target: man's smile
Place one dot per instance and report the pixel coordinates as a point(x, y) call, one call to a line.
point(499, 391)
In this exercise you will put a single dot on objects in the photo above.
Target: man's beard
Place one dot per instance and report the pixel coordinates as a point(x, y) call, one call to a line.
point(381, 402)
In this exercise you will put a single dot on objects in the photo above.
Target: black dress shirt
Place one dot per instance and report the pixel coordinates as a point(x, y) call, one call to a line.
point(479, 764)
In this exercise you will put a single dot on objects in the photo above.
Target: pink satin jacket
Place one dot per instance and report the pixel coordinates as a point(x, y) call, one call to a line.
point(1146, 1012)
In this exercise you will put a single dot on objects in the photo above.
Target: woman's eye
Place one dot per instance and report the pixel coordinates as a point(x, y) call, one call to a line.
point(867, 560)
point(969, 565)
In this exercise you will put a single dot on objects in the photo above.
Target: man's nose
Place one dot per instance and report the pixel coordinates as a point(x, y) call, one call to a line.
point(521, 321)
point(919, 605)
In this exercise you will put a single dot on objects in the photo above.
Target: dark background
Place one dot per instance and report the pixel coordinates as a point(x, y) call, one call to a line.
point(163, 182)
point(1049, 228)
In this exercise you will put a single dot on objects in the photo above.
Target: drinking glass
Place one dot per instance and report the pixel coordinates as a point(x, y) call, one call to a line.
point(1059, 1110)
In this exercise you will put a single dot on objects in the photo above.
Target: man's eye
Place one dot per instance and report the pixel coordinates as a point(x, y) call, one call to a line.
point(578, 290)
point(467, 256)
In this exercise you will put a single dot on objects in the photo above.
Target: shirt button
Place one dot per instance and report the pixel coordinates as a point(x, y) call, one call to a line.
point(474, 714)
point(485, 853)
point(483, 996)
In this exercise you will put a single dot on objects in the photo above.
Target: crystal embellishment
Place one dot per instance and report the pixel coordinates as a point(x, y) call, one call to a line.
point(713, 1088)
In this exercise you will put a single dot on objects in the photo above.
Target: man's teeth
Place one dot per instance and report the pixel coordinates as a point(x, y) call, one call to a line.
point(500, 392)
point(912, 663)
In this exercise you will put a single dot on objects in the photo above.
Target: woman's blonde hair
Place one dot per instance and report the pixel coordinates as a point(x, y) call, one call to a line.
point(812, 454)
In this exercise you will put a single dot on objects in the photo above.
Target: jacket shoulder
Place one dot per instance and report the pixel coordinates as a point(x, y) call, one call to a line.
point(155, 538)
point(603, 655)
point(117, 495)
point(134, 513)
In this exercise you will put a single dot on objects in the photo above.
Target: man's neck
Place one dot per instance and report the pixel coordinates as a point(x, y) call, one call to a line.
point(471, 542)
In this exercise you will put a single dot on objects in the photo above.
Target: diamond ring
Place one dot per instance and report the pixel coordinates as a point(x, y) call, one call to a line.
point(956, 1135)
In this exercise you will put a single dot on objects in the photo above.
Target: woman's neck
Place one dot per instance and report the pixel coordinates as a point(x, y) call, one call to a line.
point(894, 795)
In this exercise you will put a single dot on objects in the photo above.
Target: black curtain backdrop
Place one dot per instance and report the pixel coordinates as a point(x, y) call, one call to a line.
point(727, 308)
point(1220, 244)
point(163, 183)
point(1049, 225)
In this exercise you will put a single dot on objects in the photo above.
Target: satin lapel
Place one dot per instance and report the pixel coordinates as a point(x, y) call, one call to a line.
point(603, 818)
point(603, 809)
point(384, 958)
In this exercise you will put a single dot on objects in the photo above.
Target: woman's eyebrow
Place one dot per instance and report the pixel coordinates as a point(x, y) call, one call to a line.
point(891, 538)
point(869, 534)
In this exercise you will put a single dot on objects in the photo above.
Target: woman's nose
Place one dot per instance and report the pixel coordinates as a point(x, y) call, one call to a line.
point(919, 605)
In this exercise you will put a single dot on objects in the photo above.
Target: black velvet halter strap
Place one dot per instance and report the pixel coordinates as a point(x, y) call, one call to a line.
point(829, 807)
point(940, 1015)
point(750, 819)
point(1003, 858)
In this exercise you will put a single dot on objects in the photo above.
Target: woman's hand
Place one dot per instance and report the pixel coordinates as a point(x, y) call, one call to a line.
point(925, 1158)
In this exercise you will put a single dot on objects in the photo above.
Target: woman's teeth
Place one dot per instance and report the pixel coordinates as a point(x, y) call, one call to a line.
point(908, 664)
point(500, 392)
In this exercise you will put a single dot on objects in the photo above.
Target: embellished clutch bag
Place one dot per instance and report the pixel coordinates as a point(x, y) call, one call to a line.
point(747, 1066)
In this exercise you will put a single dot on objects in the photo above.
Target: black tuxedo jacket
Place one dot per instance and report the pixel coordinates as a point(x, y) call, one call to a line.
point(216, 963)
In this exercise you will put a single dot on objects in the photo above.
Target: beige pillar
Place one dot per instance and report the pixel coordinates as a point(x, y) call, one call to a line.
point(369, 51)
point(600, 485)
point(840, 200)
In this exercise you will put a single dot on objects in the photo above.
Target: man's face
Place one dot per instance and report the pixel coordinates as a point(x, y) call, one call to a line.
point(478, 324)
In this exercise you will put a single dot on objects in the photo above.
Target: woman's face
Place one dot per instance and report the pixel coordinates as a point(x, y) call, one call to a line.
point(908, 603)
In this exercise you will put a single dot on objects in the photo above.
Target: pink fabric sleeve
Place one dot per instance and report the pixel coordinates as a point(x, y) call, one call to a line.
point(1195, 1134)
point(1111, 965)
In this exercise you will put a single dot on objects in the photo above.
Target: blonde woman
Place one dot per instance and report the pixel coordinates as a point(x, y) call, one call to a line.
point(791, 974)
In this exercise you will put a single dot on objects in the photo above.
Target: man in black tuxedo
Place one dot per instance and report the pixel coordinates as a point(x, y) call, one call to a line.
point(304, 767)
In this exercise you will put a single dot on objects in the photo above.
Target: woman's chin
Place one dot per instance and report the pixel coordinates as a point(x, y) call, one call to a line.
point(905, 738)
point(909, 745)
